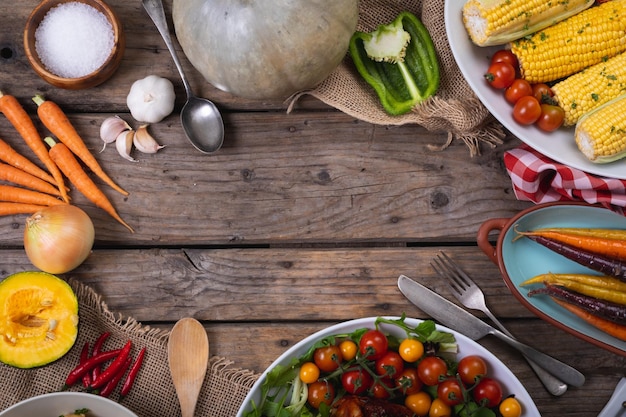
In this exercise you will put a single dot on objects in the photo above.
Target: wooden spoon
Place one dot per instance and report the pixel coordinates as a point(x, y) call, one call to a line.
point(188, 355)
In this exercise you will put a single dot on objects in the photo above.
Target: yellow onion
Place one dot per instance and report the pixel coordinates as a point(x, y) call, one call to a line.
point(58, 238)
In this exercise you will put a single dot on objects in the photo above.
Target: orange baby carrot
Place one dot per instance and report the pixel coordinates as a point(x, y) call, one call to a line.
point(72, 169)
point(22, 122)
point(13, 194)
point(607, 326)
point(53, 117)
point(16, 159)
point(8, 208)
point(17, 176)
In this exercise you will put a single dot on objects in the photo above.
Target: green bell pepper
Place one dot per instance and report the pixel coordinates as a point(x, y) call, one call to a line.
point(399, 61)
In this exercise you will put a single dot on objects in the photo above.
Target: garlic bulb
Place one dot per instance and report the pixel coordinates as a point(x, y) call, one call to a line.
point(151, 99)
point(144, 142)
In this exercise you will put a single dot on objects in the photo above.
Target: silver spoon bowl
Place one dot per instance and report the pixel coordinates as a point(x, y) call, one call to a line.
point(201, 120)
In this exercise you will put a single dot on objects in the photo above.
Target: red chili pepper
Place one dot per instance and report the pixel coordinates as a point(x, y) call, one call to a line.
point(97, 348)
point(77, 373)
point(132, 375)
point(84, 355)
point(113, 368)
point(110, 386)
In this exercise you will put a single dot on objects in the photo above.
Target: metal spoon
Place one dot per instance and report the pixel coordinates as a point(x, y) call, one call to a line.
point(200, 118)
point(188, 355)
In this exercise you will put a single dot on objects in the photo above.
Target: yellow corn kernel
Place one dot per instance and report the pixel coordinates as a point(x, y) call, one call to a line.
point(601, 134)
point(574, 44)
point(496, 22)
point(589, 89)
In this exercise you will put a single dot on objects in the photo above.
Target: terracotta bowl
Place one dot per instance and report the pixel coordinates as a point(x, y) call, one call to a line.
point(520, 259)
point(90, 80)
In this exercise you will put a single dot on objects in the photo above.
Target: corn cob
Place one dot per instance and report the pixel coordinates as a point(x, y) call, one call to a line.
point(601, 134)
point(574, 44)
point(496, 22)
point(590, 88)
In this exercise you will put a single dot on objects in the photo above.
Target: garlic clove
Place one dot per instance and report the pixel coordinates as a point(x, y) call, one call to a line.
point(124, 144)
point(111, 128)
point(144, 142)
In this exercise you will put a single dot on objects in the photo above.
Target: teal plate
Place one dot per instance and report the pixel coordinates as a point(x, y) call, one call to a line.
point(523, 259)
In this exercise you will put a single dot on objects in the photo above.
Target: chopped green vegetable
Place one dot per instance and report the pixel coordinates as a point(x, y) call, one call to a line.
point(399, 61)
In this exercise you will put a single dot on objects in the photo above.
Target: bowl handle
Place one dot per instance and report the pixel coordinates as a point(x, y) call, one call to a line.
point(483, 237)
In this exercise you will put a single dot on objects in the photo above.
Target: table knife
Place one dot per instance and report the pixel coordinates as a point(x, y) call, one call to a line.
point(460, 320)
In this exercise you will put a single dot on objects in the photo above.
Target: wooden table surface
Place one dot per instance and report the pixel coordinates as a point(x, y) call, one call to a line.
point(300, 221)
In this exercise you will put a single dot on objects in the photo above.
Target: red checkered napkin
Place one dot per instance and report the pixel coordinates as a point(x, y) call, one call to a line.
point(539, 179)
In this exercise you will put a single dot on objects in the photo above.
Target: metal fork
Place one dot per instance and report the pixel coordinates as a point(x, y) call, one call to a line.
point(471, 296)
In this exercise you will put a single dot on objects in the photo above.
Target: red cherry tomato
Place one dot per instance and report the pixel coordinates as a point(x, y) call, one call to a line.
point(471, 368)
point(526, 110)
point(431, 370)
point(500, 75)
point(409, 382)
point(327, 358)
point(488, 392)
point(382, 388)
point(356, 381)
point(518, 89)
point(542, 92)
point(391, 364)
point(551, 117)
point(450, 391)
point(373, 344)
point(505, 55)
point(320, 392)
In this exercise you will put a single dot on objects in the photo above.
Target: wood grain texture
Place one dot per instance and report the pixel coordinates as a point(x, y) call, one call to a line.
point(300, 221)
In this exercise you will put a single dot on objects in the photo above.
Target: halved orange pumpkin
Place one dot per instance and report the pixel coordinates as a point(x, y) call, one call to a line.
point(38, 319)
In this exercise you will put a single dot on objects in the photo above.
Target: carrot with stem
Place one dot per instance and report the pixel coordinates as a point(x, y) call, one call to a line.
point(17, 176)
point(53, 117)
point(72, 169)
point(13, 194)
point(22, 122)
point(8, 208)
point(17, 160)
point(614, 329)
point(601, 287)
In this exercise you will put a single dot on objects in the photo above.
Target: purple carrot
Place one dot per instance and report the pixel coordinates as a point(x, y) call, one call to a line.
point(608, 310)
point(605, 265)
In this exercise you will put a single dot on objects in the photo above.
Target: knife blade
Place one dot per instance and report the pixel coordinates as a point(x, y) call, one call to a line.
point(460, 320)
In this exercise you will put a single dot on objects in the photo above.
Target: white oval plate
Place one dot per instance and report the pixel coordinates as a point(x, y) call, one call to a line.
point(473, 62)
point(59, 403)
point(510, 383)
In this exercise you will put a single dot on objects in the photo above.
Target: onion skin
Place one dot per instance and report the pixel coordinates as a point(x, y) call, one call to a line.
point(59, 238)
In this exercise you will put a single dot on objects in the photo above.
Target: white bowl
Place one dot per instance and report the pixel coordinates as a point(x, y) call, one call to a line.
point(59, 403)
point(497, 369)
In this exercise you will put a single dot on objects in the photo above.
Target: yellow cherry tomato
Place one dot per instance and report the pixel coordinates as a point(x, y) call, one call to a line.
point(309, 372)
point(439, 409)
point(418, 403)
point(348, 349)
point(411, 350)
point(510, 407)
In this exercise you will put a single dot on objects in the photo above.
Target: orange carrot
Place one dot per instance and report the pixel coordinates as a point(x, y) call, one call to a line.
point(601, 242)
point(8, 208)
point(53, 117)
point(16, 159)
point(13, 194)
point(72, 169)
point(23, 178)
point(607, 326)
point(22, 122)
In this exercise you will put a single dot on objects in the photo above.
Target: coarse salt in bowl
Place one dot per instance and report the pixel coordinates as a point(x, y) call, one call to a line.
point(74, 44)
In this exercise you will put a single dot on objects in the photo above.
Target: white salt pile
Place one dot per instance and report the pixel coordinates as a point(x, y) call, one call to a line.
point(73, 39)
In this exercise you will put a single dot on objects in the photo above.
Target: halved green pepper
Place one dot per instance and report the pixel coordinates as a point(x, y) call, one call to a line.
point(399, 61)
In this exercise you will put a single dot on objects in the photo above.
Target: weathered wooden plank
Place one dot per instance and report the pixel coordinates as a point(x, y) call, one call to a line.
point(297, 178)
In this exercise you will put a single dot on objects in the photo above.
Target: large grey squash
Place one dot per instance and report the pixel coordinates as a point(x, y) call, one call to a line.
point(264, 49)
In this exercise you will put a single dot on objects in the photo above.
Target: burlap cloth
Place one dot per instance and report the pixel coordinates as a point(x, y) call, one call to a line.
point(153, 394)
point(455, 109)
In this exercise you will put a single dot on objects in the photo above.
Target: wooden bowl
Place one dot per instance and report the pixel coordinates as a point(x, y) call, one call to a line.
point(93, 79)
